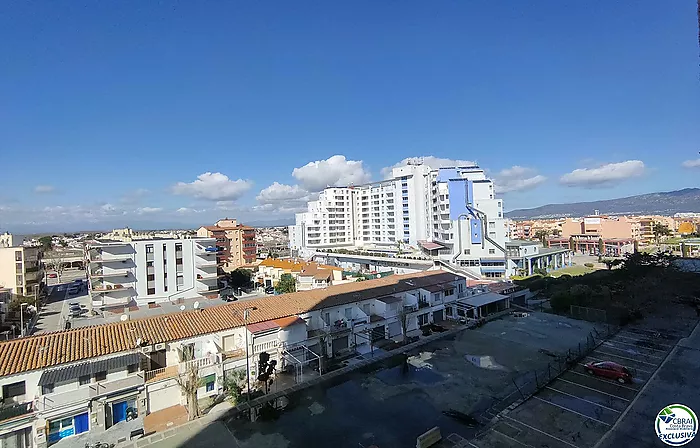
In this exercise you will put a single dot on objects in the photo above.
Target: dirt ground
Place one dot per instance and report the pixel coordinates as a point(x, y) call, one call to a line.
point(392, 404)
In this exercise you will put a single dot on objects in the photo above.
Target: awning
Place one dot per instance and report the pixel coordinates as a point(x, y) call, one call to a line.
point(483, 299)
point(262, 327)
point(74, 372)
point(390, 299)
point(429, 245)
point(285, 322)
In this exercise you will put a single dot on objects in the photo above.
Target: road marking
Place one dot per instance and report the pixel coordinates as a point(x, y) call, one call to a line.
point(510, 438)
point(541, 432)
point(609, 345)
point(605, 381)
point(595, 390)
point(624, 357)
point(583, 399)
point(570, 410)
point(638, 346)
point(641, 337)
point(603, 360)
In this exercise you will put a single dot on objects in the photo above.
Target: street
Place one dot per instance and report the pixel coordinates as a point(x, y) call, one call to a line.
point(53, 314)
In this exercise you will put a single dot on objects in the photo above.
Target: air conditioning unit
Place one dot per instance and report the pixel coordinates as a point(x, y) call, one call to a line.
point(160, 346)
point(147, 349)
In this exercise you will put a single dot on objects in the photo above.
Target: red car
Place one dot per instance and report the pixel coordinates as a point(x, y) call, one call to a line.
point(611, 370)
point(52, 275)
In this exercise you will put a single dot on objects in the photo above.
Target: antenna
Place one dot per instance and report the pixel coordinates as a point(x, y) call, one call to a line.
point(124, 318)
point(196, 305)
point(182, 307)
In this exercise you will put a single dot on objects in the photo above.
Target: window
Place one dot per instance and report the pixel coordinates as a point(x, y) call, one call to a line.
point(19, 279)
point(47, 389)
point(18, 255)
point(467, 251)
point(492, 225)
point(20, 290)
point(59, 429)
point(449, 292)
point(492, 251)
point(149, 248)
point(13, 390)
point(151, 291)
point(423, 319)
point(101, 376)
point(131, 368)
point(83, 380)
point(18, 268)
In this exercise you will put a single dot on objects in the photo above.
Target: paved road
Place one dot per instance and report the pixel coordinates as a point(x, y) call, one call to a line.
point(53, 315)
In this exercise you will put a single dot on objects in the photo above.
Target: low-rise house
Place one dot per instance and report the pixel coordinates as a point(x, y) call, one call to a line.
point(308, 275)
point(87, 379)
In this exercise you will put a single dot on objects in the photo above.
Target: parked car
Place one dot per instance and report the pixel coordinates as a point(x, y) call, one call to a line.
point(270, 290)
point(74, 304)
point(610, 370)
point(73, 290)
point(52, 275)
point(229, 298)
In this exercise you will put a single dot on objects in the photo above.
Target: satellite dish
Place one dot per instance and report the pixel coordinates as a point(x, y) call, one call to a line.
point(124, 318)
point(196, 305)
point(182, 307)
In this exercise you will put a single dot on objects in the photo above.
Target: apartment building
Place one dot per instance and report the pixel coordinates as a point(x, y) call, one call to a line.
point(237, 242)
point(21, 267)
point(451, 214)
point(65, 383)
point(150, 271)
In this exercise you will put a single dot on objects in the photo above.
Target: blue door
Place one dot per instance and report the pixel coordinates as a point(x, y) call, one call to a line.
point(81, 423)
point(119, 412)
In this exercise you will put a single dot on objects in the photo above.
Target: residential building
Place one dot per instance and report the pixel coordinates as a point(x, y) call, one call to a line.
point(5, 299)
point(150, 271)
point(531, 255)
point(21, 267)
point(308, 275)
point(237, 242)
point(606, 227)
point(86, 379)
point(451, 214)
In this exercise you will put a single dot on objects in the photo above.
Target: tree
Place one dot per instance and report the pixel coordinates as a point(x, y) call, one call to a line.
point(240, 278)
point(46, 243)
point(57, 262)
point(286, 284)
point(601, 246)
point(542, 235)
point(266, 368)
point(189, 380)
point(611, 263)
point(572, 244)
point(403, 318)
point(540, 271)
point(63, 243)
point(660, 230)
point(233, 384)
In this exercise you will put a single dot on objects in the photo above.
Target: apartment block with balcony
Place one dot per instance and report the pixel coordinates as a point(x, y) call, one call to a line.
point(151, 271)
point(21, 269)
point(237, 242)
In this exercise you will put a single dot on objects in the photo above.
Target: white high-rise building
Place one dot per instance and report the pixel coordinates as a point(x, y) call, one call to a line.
point(451, 214)
point(147, 271)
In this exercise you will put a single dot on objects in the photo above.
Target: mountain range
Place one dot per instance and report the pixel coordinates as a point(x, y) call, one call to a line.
point(663, 203)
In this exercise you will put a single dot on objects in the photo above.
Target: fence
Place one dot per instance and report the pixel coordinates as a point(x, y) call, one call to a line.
point(532, 382)
point(589, 314)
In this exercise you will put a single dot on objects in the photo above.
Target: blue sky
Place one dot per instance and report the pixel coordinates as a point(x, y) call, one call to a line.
point(110, 112)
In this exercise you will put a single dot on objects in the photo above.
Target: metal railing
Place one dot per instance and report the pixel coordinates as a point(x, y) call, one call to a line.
point(179, 369)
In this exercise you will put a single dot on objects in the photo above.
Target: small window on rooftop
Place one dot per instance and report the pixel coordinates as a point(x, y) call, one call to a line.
point(101, 376)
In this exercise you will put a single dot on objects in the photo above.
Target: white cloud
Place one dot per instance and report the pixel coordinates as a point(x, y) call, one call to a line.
point(213, 187)
point(517, 178)
point(44, 189)
point(605, 175)
point(147, 210)
point(188, 210)
point(134, 196)
point(280, 192)
point(432, 161)
point(691, 163)
point(334, 171)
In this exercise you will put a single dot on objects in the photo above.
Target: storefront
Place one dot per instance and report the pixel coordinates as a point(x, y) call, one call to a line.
point(61, 428)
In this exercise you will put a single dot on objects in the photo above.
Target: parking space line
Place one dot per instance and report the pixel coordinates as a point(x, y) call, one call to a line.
point(567, 409)
point(510, 438)
point(583, 399)
point(640, 337)
point(601, 360)
point(609, 345)
point(635, 345)
point(595, 390)
point(624, 357)
point(541, 432)
point(605, 381)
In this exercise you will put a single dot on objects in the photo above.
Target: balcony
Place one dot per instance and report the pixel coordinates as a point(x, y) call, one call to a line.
point(206, 275)
point(100, 273)
point(112, 288)
point(110, 258)
point(89, 391)
point(15, 410)
point(174, 371)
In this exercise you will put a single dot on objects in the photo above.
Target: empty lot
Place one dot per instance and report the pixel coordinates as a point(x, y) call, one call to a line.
point(576, 410)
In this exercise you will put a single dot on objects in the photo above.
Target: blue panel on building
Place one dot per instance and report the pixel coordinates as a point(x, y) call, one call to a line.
point(470, 192)
point(475, 231)
point(458, 201)
point(445, 174)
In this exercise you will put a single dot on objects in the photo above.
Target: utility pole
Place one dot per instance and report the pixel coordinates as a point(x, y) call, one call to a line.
point(21, 318)
point(246, 313)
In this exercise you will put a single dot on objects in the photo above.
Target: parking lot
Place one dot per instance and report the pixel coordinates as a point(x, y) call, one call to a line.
point(577, 409)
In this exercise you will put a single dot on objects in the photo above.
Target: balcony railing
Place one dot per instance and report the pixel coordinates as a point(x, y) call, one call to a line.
point(177, 370)
point(111, 288)
point(100, 258)
point(15, 410)
point(89, 391)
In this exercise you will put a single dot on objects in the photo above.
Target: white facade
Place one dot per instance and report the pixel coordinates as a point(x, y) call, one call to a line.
point(148, 271)
point(453, 207)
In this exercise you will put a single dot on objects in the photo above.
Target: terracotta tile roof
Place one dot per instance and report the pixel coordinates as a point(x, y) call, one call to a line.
point(288, 321)
point(52, 349)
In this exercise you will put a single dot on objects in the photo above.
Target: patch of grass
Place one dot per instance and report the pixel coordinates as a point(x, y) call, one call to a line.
point(573, 270)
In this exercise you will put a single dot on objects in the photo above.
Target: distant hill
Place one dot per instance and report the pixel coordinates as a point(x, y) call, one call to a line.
point(665, 203)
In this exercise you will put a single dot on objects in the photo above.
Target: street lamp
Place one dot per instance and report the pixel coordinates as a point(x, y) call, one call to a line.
point(246, 313)
point(21, 318)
